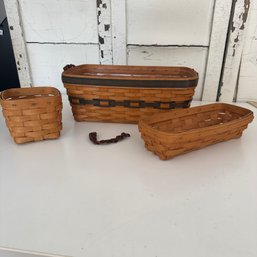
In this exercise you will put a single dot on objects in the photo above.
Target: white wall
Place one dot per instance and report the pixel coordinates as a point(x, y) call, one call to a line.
point(165, 32)
point(167, 22)
point(239, 80)
point(59, 21)
point(47, 60)
point(146, 32)
point(194, 57)
point(247, 82)
point(58, 32)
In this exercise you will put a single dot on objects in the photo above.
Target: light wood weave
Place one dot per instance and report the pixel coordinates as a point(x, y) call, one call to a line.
point(120, 113)
point(127, 93)
point(180, 131)
point(32, 114)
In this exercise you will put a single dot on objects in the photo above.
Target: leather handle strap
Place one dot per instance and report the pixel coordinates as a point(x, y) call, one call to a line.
point(68, 66)
point(93, 138)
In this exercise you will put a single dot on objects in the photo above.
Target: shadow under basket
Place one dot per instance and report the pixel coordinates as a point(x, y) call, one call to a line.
point(32, 114)
point(180, 131)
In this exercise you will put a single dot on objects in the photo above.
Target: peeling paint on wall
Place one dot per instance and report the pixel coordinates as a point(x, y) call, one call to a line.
point(233, 57)
point(238, 24)
point(18, 42)
point(104, 31)
point(247, 90)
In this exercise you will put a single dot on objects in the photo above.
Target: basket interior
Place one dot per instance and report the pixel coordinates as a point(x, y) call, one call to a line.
point(28, 93)
point(122, 71)
point(197, 120)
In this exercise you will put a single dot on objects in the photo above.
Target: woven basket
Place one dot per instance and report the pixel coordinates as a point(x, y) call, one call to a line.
point(118, 93)
point(180, 131)
point(32, 114)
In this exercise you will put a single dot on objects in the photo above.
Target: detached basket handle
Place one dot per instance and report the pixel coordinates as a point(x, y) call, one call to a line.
point(94, 140)
point(68, 66)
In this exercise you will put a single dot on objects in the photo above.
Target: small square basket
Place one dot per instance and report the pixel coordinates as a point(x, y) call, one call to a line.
point(32, 114)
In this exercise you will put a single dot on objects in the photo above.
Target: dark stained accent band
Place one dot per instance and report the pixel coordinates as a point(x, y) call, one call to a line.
point(130, 83)
point(129, 103)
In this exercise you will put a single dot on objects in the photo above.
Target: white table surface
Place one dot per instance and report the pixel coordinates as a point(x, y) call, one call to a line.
point(70, 197)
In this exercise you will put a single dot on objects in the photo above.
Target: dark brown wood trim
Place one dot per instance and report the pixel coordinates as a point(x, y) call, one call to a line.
point(130, 83)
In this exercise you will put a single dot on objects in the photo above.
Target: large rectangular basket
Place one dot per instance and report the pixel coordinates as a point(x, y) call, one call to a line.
point(180, 131)
point(32, 114)
point(119, 93)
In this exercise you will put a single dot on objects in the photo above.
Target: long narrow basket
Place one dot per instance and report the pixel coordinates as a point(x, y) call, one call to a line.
point(32, 114)
point(119, 93)
point(180, 131)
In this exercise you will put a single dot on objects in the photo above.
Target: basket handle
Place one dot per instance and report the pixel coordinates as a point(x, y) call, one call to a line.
point(1, 96)
point(68, 66)
point(94, 140)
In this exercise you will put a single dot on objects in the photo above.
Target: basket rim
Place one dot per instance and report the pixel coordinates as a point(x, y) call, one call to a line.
point(76, 75)
point(30, 91)
point(145, 122)
point(74, 71)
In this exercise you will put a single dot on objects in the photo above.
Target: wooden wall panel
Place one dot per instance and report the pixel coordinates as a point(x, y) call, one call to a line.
point(57, 33)
point(18, 42)
point(104, 31)
point(119, 31)
point(47, 61)
point(217, 48)
point(247, 83)
point(167, 22)
point(59, 20)
point(148, 32)
point(235, 48)
point(194, 57)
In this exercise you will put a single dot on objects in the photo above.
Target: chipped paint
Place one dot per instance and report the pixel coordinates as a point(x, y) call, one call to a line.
point(247, 81)
point(104, 31)
point(18, 42)
point(107, 27)
point(238, 24)
point(245, 13)
point(234, 50)
point(119, 31)
point(101, 40)
point(98, 3)
point(218, 37)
